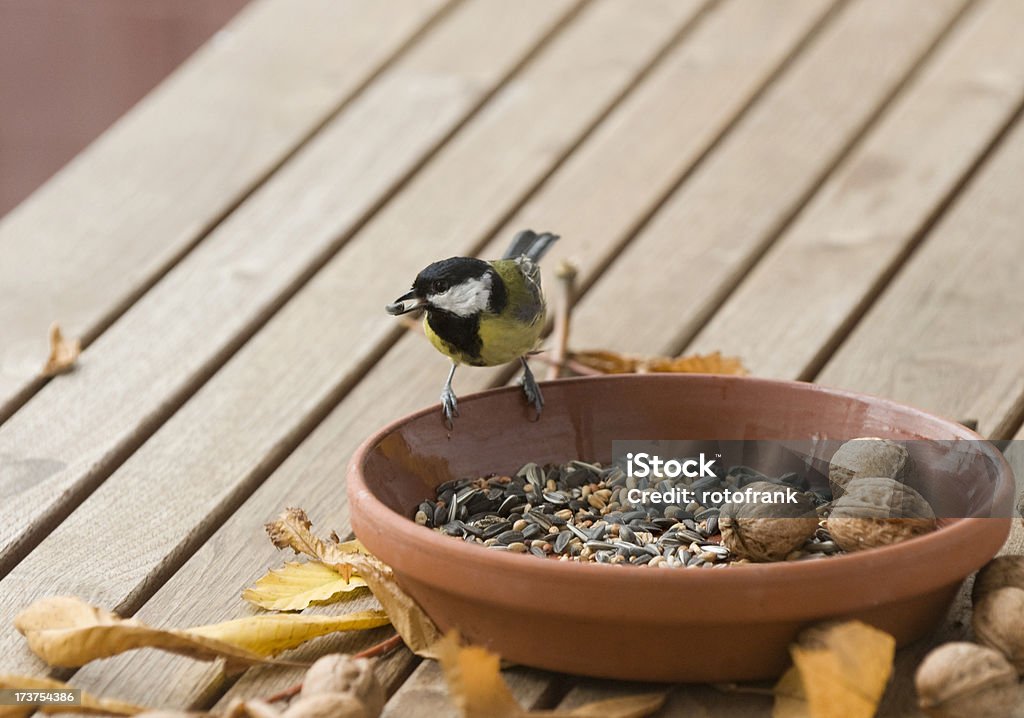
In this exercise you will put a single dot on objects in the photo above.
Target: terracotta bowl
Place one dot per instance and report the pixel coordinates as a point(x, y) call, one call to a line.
point(642, 624)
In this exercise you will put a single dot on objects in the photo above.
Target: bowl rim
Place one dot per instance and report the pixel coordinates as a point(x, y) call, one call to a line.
point(963, 544)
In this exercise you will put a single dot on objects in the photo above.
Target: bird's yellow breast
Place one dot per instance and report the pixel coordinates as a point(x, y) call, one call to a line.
point(502, 339)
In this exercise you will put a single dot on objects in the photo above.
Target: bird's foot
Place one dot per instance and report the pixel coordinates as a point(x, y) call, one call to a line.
point(449, 406)
point(532, 390)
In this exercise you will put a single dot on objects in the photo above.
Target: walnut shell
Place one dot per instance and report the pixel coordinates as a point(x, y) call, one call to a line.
point(327, 705)
point(767, 531)
point(878, 511)
point(998, 622)
point(341, 673)
point(998, 573)
point(965, 680)
point(865, 458)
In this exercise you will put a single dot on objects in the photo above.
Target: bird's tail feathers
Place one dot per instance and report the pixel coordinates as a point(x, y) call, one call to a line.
point(531, 245)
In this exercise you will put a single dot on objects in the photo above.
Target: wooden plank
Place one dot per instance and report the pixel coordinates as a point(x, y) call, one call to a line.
point(680, 266)
point(65, 441)
point(117, 217)
point(820, 276)
point(373, 402)
point(610, 186)
point(954, 316)
point(163, 501)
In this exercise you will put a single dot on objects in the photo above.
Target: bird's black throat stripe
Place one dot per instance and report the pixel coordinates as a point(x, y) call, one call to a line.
point(461, 333)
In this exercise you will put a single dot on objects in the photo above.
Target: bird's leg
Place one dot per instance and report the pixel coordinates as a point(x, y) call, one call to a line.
point(449, 404)
point(530, 388)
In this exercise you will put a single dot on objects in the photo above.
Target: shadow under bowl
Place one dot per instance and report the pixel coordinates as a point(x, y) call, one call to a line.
point(633, 623)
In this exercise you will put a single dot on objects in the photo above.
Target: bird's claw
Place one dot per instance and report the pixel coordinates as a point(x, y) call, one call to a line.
point(532, 391)
point(449, 406)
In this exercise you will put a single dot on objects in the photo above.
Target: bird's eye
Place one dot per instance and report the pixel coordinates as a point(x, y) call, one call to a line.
point(439, 286)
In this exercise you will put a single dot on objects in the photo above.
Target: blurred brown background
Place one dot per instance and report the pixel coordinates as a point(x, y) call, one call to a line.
point(69, 68)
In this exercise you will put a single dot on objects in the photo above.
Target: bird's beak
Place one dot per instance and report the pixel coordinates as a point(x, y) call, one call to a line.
point(399, 306)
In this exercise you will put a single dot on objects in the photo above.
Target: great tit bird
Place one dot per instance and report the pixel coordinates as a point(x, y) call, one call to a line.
point(483, 313)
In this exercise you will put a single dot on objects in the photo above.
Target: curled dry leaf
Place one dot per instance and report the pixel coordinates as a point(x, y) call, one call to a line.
point(65, 631)
point(608, 362)
point(296, 586)
point(91, 704)
point(840, 670)
point(294, 530)
point(475, 684)
point(63, 353)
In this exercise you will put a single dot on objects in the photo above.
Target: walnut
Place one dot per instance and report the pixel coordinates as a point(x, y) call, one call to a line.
point(327, 705)
point(965, 680)
point(999, 623)
point(876, 512)
point(864, 458)
point(340, 673)
point(763, 531)
point(1000, 572)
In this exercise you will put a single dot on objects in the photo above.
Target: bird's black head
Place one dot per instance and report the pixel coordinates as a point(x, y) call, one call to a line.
point(463, 286)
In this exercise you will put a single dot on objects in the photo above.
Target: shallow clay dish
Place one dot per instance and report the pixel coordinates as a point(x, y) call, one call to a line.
point(657, 624)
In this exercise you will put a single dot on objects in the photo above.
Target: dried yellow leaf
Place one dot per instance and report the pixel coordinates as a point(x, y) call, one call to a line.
point(90, 705)
point(473, 675)
point(63, 353)
point(840, 670)
point(608, 362)
point(296, 586)
point(65, 631)
point(294, 530)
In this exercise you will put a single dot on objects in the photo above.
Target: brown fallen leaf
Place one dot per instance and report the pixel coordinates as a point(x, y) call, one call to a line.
point(294, 530)
point(66, 631)
point(473, 675)
point(840, 670)
point(416, 628)
point(90, 704)
point(296, 586)
point(63, 353)
point(608, 362)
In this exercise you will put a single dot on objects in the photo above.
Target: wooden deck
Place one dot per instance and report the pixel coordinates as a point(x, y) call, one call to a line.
point(828, 189)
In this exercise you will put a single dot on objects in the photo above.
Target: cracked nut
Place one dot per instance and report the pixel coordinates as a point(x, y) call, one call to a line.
point(1000, 572)
point(877, 512)
point(865, 458)
point(341, 673)
point(998, 622)
point(965, 680)
point(767, 531)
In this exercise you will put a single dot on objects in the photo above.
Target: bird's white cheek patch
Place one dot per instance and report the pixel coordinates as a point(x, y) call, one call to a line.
point(466, 299)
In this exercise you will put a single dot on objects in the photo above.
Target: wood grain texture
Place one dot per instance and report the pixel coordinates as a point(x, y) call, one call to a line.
point(948, 333)
point(222, 443)
point(821, 274)
point(122, 212)
point(419, 371)
point(677, 270)
point(72, 434)
point(626, 169)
